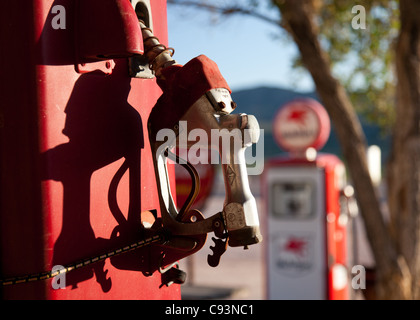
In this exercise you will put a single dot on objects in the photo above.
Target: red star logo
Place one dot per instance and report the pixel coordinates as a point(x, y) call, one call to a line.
point(297, 116)
point(295, 245)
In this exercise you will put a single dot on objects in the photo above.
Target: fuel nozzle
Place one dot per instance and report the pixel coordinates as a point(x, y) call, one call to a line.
point(197, 97)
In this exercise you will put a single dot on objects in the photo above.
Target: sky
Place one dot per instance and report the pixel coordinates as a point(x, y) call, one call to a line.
point(245, 49)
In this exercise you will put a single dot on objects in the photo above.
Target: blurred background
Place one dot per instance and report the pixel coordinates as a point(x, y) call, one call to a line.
point(269, 59)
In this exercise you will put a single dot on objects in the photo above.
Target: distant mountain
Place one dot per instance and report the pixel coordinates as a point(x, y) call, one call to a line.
point(264, 102)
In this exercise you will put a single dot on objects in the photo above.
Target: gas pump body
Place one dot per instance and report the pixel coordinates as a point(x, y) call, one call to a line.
point(306, 248)
point(67, 127)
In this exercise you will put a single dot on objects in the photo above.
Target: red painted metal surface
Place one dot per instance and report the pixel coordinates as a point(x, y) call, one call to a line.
point(64, 135)
point(336, 231)
point(106, 29)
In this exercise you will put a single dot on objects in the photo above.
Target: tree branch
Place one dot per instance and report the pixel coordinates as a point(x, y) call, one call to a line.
point(227, 10)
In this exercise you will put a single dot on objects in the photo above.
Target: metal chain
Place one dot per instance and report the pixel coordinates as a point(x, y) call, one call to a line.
point(50, 274)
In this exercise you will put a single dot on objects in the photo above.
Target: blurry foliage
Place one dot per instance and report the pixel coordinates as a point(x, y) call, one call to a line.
point(362, 59)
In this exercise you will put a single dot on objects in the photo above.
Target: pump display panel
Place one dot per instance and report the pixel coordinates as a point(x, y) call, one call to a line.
point(293, 200)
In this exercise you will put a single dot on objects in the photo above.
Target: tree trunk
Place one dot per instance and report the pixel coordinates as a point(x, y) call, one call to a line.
point(393, 277)
point(404, 166)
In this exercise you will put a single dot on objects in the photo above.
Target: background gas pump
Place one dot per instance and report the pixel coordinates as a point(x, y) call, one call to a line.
point(306, 227)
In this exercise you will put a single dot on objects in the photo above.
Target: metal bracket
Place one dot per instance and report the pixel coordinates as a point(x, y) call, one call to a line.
point(105, 66)
point(138, 67)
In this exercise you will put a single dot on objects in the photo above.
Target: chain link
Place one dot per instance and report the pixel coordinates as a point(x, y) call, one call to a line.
point(50, 274)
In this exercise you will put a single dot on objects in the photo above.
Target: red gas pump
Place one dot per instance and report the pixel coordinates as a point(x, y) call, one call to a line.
point(306, 249)
point(75, 159)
